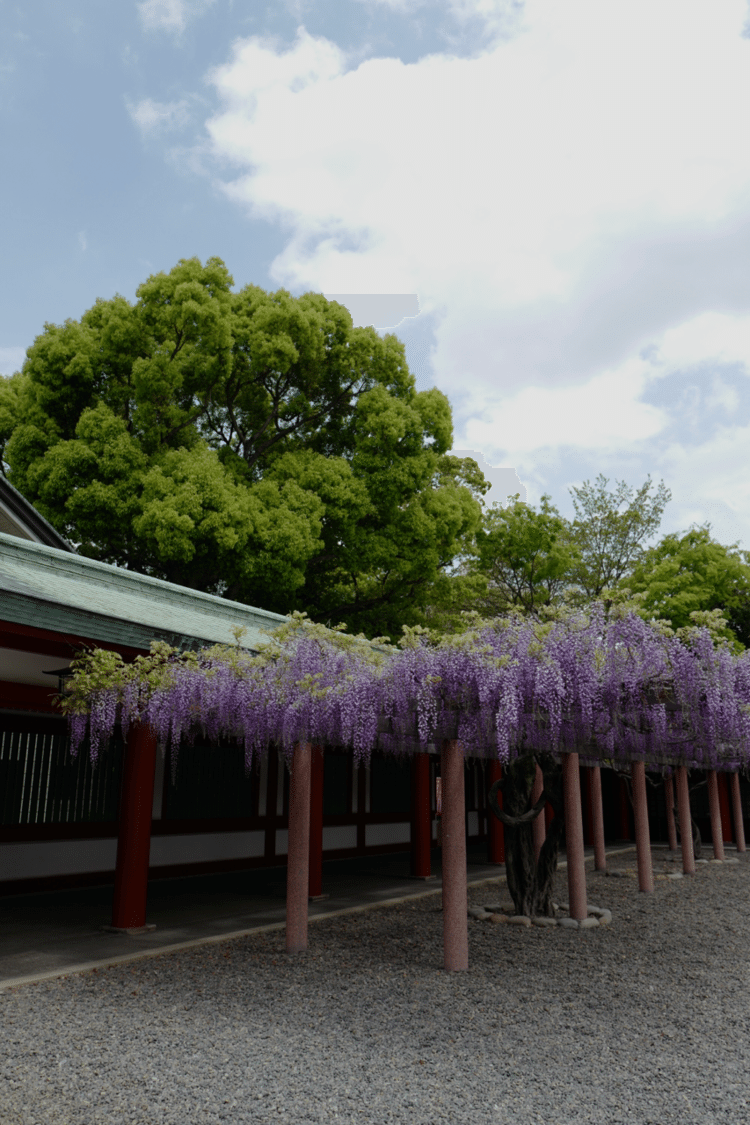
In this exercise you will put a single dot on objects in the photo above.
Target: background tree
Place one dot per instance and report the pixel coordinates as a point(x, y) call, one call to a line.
point(611, 529)
point(247, 443)
point(689, 574)
point(526, 556)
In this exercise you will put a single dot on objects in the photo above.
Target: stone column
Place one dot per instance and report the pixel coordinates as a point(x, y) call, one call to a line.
point(714, 809)
point(134, 833)
point(421, 816)
point(574, 837)
point(739, 827)
point(642, 835)
point(597, 817)
point(539, 825)
point(495, 831)
point(671, 828)
point(455, 900)
point(298, 856)
point(686, 825)
point(317, 768)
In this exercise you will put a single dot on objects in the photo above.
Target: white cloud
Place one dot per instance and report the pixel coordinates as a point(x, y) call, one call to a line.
point(170, 15)
point(571, 206)
point(157, 117)
point(11, 360)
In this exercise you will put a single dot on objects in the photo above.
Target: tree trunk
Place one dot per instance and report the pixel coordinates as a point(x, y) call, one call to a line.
point(530, 881)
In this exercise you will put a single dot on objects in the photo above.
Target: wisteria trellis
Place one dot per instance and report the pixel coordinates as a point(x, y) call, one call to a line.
point(616, 688)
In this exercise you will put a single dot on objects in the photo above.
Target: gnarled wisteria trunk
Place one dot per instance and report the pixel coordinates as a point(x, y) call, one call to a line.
point(530, 880)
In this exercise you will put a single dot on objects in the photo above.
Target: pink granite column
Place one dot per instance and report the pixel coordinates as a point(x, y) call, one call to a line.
point(726, 813)
point(574, 837)
point(686, 825)
point(642, 835)
point(715, 811)
point(737, 813)
point(539, 826)
point(298, 856)
point(739, 827)
point(671, 828)
point(455, 900)
point(597, 817)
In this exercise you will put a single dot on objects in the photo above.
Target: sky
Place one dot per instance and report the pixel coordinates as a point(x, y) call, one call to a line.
point(549, 203)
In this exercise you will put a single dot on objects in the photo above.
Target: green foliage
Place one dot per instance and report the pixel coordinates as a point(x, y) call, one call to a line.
point(683, 579)
point(610, 530)
point(526, 555)
point(246, 443)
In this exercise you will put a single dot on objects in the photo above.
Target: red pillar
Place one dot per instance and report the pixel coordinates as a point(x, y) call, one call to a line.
point(726, 815)
point(715, 811)
point(495, 832)
point(134, 833)
point(574, 838)
point(624, 811)
point(455, 900)
point(686, 826)
point(739, 827)
point(597, 819)
point(642, 835)
point(317, 766)
point(297, 868)
point(421, 816)
point(539, 825)
point(671, 829)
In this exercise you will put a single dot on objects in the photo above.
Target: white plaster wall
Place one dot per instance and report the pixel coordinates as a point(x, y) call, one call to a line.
point(339, 836)
point(38, 858)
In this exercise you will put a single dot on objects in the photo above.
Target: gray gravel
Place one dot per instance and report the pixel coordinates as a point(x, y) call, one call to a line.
point(644, 1020)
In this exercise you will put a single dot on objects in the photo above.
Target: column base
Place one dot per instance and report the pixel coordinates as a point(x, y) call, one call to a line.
point(132, 931)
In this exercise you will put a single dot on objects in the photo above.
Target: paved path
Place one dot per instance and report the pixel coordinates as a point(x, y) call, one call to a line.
point(52, 934)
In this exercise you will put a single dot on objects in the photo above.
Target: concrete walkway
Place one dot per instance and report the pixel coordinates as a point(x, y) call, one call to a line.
point(52, 934)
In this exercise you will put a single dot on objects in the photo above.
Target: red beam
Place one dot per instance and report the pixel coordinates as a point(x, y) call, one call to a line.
point(28, 697)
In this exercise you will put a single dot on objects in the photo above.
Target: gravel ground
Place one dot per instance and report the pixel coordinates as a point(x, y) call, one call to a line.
point(645, 1020)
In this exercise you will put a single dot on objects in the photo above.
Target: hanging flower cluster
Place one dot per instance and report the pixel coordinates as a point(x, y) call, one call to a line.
point(610, 686)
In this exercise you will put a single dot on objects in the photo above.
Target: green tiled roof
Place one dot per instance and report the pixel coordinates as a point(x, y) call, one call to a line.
point(67, 593)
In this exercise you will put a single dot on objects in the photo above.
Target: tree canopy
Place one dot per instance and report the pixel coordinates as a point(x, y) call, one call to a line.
point(247, 443)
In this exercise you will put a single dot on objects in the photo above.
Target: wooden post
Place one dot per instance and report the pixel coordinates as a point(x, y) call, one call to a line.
point(597, 817)
point(671, 827)
point(686, 824)
point(455, 900)
point(134, 833)
point(739, 827)
point(495, 832)
point(298, 855)
point(539, 826)
point(642, 835)
point(726, 814)
point(317, 768)
point(421, 816)
point(574, 838)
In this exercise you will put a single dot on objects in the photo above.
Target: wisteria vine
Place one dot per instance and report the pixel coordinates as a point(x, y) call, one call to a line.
point(613, 687)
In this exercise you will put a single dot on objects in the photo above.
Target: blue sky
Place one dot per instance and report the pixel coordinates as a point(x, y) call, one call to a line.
point(564, 186)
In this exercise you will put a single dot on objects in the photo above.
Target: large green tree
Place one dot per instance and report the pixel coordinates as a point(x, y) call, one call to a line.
point(248, 443)
point(694, 573)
